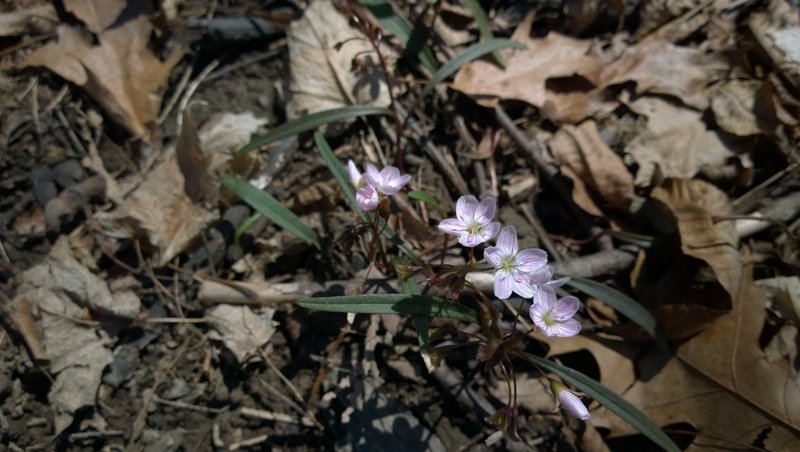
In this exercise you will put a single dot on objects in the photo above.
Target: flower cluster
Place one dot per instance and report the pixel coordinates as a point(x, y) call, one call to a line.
point(387, 182)
point(524, 272)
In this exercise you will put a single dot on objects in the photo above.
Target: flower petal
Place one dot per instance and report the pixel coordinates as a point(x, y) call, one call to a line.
point(566, 329)
point(502, 286)
point(531, 259)
point(566, 308)
point(484, 214)
point(557, 282)
point(367, 198)
point(507, 240)
point(353, 173)
point(523, 287)
point(373, 177)
point(465, 207)
point(572, 405)
point(396, 184)
point(493, 256)
point(542, 275)
point(452, 226)
point(490, 230)
point(536, 312)
point(470, 240)
point(546, 297)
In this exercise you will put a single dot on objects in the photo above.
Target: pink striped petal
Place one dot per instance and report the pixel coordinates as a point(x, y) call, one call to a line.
point(531, 259)
point(465, 207)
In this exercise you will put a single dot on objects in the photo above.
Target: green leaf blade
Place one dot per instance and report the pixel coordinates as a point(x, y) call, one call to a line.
point(474, 52)
point(606, 397)
point(311, 122)
point(271, 208)
point(624, 304)
point(416, 305)
point(403, 30)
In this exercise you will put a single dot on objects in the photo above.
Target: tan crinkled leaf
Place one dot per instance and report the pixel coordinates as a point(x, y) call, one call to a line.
point(673, 394)
point(695, 204)
point(119, 72)
point(161, 212)
point(675, 142)
point(568, 78)
point(583, 150)
point(527, 71)
point(38, 19)
point(332, 64)
point(744, 107)
point(241, 330)
point(729, 353)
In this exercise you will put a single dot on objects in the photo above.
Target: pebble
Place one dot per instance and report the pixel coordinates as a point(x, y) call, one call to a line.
point(178, 390)
point(5, 385)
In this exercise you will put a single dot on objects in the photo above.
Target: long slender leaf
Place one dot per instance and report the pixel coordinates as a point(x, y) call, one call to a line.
point(421, 322)
point(624, 304)
point(247, 223)
point(311, 122)
point(271, 208)
point(338, 171)
point(392, 304)
point(484, 26)
point(402, 29)
point(607, 398)
point(472, 53)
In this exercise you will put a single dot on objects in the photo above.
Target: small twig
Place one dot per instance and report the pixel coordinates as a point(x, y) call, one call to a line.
point(289, 385)
point(541, 233)
point(192, 88)
point(256, 440)
point(173, 99)
point(189, 406)
point(277, 417)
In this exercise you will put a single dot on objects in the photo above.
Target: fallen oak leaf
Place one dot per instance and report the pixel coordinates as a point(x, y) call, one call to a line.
point(120, 73)
point(729, 353)
point(582, 150)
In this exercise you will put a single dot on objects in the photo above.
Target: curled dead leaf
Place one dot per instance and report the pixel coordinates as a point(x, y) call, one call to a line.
point(119, 72)
point(332, 64)
point(599, 168)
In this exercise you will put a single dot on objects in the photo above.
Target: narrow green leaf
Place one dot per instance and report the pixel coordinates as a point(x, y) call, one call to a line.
point(247, 223)
point(402, 29)
point(311, 122)
point(472, 53)
point(640, 240)
point(421, 322)
point(424, 197)
point(624, 304)
point(271, 208)
point(392, 304)
point(484, 27)
point(607, 398)
point(338, 172)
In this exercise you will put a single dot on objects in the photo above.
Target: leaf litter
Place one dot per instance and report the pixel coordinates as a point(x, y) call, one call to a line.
point(657, 128)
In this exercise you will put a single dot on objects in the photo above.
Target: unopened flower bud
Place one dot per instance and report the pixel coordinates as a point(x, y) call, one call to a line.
point(569, 401)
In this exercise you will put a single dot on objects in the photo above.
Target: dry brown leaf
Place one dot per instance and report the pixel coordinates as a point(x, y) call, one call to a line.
point(695, 205)
point(567, 77)
point(32, 19)
point(729, 353)
point(744, 107)
point(675, 142)
point(584, 152)
point(528, 71)
point(120, 73)
point(660, 67)
point(58, 290)
point(241, 330)
point(97, 15)
point(332, 64)
point(161, 213)
point(194, 164)
point(676, 395)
